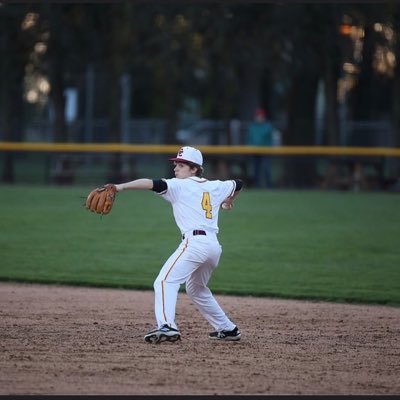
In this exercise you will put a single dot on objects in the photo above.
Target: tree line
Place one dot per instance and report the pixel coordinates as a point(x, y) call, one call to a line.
point(232, 58)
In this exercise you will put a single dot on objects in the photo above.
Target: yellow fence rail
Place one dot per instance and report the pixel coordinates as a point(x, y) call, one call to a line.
point(207, 149)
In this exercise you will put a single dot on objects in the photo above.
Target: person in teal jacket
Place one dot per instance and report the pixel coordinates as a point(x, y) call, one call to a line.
point(260, 134)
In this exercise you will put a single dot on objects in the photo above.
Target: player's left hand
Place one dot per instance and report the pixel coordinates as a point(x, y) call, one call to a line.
point(101, 199)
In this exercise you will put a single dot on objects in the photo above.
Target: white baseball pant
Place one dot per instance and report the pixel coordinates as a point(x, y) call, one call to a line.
point(192, 262)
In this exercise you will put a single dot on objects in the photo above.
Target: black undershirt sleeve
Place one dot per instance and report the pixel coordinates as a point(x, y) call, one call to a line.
point(239, 184)
point(159, 186)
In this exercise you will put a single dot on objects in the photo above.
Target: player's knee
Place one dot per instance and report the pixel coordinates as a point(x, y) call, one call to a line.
point(190, 292)
point(157, 284)
point(193, 290)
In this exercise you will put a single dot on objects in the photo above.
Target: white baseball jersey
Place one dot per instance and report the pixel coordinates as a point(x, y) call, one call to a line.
point(196, 201)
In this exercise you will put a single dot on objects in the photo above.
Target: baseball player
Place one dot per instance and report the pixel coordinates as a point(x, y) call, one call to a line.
point(196, 202)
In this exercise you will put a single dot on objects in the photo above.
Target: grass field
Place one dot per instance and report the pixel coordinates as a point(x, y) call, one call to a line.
point(336, 246)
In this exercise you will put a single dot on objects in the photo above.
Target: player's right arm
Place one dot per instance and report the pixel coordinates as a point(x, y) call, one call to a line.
point(227, 204)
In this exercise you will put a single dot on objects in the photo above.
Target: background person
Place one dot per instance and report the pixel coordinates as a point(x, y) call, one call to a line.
point(260, 133)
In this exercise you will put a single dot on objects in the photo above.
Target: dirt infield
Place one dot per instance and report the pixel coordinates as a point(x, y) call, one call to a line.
point(68, 340)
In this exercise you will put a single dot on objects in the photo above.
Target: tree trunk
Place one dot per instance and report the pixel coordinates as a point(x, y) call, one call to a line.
point(396, 97)
point(11, 98)
point(171, 111)
point(332, 122)
point(115, 174)
point(58, 99)
point(300, 171)
point(396, 81)
point(250, 97)
point(62, 170)
point(363, 93)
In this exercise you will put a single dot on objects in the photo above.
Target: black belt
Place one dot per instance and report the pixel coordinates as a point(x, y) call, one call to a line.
point(195, 233)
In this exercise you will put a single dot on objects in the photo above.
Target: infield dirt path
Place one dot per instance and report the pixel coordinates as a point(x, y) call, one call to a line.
point(75, 340)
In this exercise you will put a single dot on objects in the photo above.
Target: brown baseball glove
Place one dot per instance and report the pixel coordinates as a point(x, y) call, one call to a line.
point(101, 199)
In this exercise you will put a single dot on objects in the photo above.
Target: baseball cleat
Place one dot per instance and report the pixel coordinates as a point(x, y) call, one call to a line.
point(232, 335)
point(163, 334)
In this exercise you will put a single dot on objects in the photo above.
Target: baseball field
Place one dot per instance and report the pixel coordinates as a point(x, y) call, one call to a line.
point(311, 278)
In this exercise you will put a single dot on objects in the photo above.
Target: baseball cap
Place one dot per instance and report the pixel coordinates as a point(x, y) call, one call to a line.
point(189, 154)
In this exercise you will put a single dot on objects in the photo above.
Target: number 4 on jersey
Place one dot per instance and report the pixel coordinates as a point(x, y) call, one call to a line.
point(206, 204)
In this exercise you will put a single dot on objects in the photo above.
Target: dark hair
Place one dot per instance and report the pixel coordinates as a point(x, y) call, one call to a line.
point(199, 171)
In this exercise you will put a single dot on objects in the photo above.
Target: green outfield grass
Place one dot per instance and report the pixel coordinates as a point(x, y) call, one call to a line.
point(336, 246)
